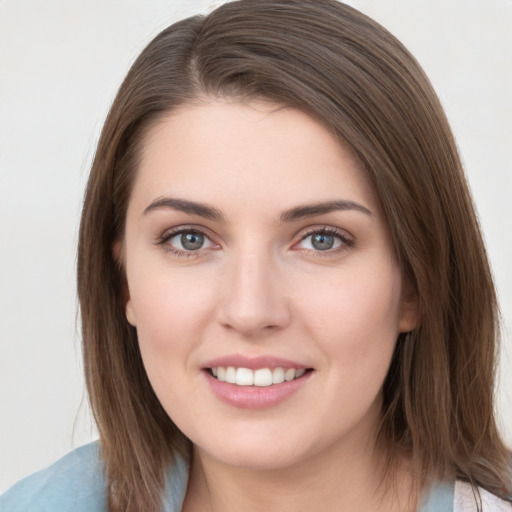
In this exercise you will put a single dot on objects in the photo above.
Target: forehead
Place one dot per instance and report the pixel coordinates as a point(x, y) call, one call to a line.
point(243, 151)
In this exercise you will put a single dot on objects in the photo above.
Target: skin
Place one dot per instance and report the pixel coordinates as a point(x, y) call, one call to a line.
point(259, 286)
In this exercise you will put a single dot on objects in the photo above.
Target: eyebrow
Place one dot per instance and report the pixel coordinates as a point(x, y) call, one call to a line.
point(182, 205)
point(312, 210)
point(294, 214)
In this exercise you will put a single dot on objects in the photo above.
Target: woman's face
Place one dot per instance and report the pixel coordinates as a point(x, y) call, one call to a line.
point(256, 251)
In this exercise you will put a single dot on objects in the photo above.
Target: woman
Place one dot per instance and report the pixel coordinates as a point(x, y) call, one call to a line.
point(284, 293)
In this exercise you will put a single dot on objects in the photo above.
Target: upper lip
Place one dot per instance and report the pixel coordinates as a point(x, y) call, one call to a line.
point(253, 363)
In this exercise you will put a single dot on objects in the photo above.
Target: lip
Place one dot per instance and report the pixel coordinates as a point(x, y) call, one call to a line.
point(254, 397)
point(253, 363)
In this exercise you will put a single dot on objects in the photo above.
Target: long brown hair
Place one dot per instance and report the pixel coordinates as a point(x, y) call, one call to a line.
point(336, 64)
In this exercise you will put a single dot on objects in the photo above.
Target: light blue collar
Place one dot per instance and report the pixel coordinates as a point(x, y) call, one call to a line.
point(176, 485)
point(439, 499)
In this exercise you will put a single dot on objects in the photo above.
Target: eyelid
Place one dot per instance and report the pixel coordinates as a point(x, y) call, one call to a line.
point(346, 239)
point(170, 233)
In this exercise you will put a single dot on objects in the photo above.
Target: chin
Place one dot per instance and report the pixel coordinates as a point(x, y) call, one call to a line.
point(260, 453)
point(259, 459)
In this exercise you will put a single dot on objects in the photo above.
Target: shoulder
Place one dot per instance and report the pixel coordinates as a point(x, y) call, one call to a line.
point(461, 497)
point(75, 483)
point(466, 501)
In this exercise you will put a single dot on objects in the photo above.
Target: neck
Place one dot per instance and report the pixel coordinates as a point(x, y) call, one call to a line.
point(348, 477)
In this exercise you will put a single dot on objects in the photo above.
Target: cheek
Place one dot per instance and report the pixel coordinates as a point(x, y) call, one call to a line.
point(355, 317)
point(170, 319)
point(167, 312)
point(172, 309)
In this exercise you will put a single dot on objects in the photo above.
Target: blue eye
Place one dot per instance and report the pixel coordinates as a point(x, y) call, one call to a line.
point(324, 240)
point(189, 240)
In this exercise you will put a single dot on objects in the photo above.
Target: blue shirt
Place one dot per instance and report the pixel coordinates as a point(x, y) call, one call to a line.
point(76, 483)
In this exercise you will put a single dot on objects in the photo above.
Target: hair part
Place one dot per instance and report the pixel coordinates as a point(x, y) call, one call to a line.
point(344, 69)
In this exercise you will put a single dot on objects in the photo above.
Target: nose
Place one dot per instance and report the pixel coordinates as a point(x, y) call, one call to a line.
point(253, 293)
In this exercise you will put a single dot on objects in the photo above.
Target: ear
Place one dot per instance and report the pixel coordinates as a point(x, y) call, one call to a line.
point(409, 309)
point(117, 253)
point(130, 313)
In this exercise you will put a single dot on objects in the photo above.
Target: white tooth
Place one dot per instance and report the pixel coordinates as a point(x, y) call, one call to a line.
point(230, 375)
point(221, 374)
point(277, 376)
point(244, 377)
point(263, 377)
point(300, 373)
point(289, 374)
point(214, 371)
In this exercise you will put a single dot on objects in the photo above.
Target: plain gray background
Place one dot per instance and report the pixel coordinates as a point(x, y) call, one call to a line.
point(60, 65)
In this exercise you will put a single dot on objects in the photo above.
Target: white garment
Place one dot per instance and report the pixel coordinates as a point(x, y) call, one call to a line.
point(464, 500)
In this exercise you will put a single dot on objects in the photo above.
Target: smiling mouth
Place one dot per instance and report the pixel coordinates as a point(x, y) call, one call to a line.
point(261, 377)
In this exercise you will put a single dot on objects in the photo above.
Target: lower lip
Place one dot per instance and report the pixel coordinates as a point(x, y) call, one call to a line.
point(255, 397)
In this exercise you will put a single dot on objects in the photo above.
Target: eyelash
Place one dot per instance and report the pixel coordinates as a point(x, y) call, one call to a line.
point(346, 242)
point(168, 235)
